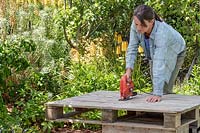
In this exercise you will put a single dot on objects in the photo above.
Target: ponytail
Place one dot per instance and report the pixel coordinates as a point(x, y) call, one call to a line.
point(157, 17)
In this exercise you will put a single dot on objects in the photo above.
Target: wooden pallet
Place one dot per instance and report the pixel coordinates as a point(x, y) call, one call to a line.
point(174, 114)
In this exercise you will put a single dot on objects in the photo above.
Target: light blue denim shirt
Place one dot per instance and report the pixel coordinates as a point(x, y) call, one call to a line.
point(165, 45)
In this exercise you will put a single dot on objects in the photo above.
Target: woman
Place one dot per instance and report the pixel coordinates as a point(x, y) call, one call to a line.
point(164, 47)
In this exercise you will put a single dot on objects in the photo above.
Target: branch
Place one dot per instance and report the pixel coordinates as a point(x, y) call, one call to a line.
point(70, 3)
point(79, 26)
point(187, 76)
point(66, 37)
point(90, 33)
point(194, 60)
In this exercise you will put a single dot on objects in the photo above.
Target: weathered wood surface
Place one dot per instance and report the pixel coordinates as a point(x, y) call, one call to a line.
point(174, 114)
point(109, 100)
point(122, 129)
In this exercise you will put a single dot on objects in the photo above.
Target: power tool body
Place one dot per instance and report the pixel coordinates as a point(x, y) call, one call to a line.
point(126, 89)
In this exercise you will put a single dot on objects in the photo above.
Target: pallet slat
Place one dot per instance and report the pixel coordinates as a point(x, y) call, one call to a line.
point(109, 100)
point(174, 114)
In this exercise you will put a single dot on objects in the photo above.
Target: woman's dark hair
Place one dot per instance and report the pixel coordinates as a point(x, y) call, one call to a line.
point(144, 12)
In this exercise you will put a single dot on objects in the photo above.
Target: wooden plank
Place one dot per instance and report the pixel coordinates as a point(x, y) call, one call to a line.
point(187, 121)
point(172, 120)
point(167, 108)
point(183, 129)
point(109, 100)
point(122, 129)
point(197, 113)
point(53, 113)
point(138, 125)
point(125, 127)
point(117, 124)
point(198, 123)
point(198, 120)
point(109, 115)
point(113, 96)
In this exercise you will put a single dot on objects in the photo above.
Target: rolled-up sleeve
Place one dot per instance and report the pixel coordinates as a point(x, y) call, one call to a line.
point(131, 53)
point(159, 69)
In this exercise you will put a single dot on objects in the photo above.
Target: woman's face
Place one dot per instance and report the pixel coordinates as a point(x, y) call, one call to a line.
point(142, 28)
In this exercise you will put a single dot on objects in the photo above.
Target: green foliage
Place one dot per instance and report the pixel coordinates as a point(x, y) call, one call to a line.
point(6, 120)
point(13, 59)
point(92, 19)
point(35, 66)
point(30, 107)
point(191, 87)
point(141, 76)
point(34, 62)
point(84, 78)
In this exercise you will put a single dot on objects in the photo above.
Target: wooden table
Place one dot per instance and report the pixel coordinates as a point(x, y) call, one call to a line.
point(174, 114)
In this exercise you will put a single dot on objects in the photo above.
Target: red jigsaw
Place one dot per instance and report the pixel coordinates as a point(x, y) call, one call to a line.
point(126, 89)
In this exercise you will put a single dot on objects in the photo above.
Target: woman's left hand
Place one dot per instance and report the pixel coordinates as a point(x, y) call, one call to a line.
point(153, 99)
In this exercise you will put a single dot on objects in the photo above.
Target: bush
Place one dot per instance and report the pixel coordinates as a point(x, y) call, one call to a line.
point(192, 86)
